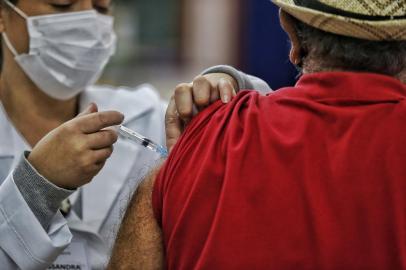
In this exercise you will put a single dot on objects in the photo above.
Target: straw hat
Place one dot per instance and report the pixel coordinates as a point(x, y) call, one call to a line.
point(364, 19)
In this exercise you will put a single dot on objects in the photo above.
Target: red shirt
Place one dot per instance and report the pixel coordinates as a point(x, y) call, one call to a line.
point(309, 177)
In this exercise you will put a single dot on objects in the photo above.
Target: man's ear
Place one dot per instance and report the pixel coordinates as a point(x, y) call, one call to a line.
point(288, 24)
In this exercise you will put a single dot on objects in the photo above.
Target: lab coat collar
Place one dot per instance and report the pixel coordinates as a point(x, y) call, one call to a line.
point(133, 103)
point(6, 135)
point(12, 144)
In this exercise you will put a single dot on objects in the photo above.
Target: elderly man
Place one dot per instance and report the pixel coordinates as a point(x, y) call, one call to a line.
point(308, 177)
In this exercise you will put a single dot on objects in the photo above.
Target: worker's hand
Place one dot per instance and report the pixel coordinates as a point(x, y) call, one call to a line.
point(72, 154)
point(191, 98)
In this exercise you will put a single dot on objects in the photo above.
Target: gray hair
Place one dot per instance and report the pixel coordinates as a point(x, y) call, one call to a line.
point(347, 53)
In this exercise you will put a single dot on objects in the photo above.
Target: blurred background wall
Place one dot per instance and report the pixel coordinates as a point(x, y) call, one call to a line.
point(165, 42)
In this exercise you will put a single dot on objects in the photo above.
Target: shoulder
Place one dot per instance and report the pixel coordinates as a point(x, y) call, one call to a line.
point(221, 138)
point(216, 124)
point(221, 120)
point(209, 139)
point(6, 133)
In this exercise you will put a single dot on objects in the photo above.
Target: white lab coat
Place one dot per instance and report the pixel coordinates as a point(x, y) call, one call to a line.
point(24, 243)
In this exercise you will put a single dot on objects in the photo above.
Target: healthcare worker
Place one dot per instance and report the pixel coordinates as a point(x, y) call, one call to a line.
point(53, 53)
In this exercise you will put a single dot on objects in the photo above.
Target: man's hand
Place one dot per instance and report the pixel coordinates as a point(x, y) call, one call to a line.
point(191, 98)
point(72, 154)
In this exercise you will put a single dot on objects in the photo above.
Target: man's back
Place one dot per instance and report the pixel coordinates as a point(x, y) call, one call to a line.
point(311, 177)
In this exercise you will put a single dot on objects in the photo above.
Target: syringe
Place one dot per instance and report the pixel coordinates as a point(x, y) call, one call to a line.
point(139, 139)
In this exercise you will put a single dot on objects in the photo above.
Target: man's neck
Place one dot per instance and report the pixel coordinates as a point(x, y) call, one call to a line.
point(315, 65)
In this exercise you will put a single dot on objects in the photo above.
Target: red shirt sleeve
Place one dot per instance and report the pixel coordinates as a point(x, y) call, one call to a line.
point(189, 144)
point(203, 139)
point(188, 187)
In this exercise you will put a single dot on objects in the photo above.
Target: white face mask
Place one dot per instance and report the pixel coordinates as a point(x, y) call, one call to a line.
point(68, 51)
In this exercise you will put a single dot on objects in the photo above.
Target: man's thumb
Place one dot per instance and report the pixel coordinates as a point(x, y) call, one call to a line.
point(173, 125)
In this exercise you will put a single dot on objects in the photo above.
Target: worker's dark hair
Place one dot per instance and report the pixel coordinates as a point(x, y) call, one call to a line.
point(341, 52)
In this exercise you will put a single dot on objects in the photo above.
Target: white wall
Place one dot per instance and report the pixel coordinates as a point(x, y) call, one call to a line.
point(211, 29)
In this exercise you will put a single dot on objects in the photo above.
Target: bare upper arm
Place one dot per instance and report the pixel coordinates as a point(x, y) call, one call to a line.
point(139, 242)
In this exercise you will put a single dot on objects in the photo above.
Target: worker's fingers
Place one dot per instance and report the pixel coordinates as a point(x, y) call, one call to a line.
point(184, 101)
point(226, 90)
point(98, 166)
point(102, 139)
point(92, 108)
point(173, 125)
point(201, 92)
point(101, 155)
point(94, 122)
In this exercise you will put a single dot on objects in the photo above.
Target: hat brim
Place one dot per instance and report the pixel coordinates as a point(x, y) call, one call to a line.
point(362, 29)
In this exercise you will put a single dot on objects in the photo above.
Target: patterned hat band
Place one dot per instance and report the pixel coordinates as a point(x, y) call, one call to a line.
point(364, 19)
point(317, 5)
